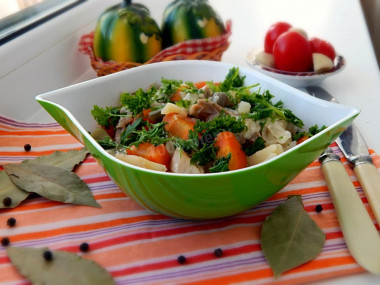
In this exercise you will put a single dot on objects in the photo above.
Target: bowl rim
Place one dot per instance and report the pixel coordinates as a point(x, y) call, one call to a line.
point(42, 98)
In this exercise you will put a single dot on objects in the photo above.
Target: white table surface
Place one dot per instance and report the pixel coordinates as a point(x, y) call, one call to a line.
point(339, 21)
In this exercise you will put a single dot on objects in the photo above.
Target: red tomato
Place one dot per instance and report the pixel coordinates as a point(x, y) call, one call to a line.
point(273, 33)
point(292, 52)
point(321, 46)
point(158, 154)
point(227, 143)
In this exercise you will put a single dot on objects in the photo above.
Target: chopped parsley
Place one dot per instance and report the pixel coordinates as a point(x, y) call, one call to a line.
point(189, 145)
point(232, 80)
point(152, 133)
point(262, 107)
point(205, 154)
point(106, 117)
point(108, 143)
point(223, 122)
point(257, 145)
point(138, 101)
point(168, 88)
point(313, 130)
point(221, 164)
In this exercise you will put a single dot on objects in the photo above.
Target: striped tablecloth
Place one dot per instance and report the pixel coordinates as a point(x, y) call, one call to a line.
point(140, 247)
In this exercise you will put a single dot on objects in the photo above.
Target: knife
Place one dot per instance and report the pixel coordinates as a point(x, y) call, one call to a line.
point(354, 148)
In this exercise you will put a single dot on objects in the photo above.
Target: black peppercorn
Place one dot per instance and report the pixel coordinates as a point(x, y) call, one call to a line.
point(7, 202)
point(27, 147)
point(218, 252)
point(318, 208)
point(5, 241)
point(181, 259)
point(84, 247)
point(48, 255)
point(11, 222)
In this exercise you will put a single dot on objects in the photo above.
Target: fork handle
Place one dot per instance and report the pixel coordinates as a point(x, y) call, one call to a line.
point(359, 232)
point(369, 179)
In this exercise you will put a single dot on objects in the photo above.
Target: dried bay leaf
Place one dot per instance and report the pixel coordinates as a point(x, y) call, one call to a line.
point(51, 182)
point(9, 190)
point(66, 160)
point(289, 237)
point(64, 267)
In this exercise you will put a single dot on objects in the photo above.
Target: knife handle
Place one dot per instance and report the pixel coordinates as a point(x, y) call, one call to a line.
point(369, 179)
point(360, 234)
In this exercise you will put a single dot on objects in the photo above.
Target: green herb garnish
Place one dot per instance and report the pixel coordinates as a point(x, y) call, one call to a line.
point(138, 101)
point(221, 164)
point(153, 133)
point(262, 107)
point(223, 122)
point(108, 116)
point(257, 145)
point(232, 80)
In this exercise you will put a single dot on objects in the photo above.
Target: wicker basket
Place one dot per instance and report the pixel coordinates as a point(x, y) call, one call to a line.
point(200, 49)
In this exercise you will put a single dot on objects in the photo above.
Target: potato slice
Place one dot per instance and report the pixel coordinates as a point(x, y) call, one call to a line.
point(181, 163)
point(173, 108)
point(265, 154)
point(141, 162)
point(244, 107)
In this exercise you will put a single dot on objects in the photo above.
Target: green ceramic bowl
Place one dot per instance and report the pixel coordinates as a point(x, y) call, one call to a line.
point(205, 196)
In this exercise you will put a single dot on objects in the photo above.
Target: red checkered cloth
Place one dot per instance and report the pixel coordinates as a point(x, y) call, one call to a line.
point(212, 47)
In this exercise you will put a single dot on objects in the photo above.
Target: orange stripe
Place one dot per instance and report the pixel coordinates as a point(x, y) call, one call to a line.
point(46, 204)
point(31, 153)
point(77, 229)
point(38, 132)
point(155, 248)
point(236, 278)
point(36, 141)
point(267, 273)
point(302, 191)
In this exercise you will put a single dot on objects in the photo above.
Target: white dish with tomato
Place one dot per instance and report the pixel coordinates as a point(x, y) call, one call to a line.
point(289, 55)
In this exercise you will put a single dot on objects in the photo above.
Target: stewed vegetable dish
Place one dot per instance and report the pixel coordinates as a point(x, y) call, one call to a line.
point(198, 127)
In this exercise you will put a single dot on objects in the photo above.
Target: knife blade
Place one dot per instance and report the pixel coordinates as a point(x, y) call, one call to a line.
point(354, 148)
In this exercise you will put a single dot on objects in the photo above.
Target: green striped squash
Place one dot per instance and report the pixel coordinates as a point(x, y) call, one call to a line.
point(190, 19)
point(126, 33)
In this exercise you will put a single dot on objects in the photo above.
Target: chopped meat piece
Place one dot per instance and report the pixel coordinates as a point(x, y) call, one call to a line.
point(121, 125)
point(207, 92)
point(221, 99)
point(123, 122)
point(205, 110)
point(231, 112)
